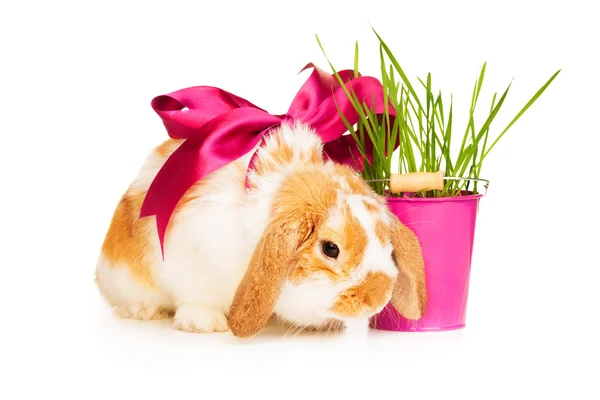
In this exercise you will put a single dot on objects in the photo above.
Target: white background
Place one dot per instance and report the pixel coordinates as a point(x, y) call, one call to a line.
point(76, 81)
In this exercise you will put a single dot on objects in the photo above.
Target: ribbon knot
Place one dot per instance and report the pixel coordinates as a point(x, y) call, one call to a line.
point(220, 127)
point(285, 118)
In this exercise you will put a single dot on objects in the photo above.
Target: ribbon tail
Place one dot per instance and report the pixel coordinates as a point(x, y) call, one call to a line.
point(173, 180)
point(220, 142)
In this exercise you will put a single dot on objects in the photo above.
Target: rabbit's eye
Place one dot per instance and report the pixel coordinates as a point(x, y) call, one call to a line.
point(330, 249)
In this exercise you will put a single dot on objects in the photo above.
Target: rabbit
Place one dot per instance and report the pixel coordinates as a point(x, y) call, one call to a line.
point(307, 241)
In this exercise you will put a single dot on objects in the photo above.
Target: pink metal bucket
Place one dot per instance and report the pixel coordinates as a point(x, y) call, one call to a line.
point(446, 229)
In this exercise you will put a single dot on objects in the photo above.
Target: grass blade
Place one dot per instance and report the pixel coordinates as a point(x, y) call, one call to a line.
point(356, 60)
point(520, 113)
point(398, 69)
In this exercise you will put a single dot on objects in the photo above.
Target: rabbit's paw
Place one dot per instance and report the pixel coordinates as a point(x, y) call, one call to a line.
point(192, 317)
point(143, 312)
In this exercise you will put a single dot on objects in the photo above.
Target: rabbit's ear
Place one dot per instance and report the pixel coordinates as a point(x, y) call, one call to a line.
point(259, 289)
point(409, 297)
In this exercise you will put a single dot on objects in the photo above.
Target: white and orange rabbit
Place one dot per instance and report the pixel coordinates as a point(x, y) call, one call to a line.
point(308, 241)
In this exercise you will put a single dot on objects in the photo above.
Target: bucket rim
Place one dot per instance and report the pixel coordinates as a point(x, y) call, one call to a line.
point(435, 199)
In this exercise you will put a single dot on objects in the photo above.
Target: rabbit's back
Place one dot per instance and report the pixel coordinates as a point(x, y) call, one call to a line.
point(201, 234)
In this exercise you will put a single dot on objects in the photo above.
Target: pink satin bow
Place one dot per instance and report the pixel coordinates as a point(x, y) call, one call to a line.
point(220, 127)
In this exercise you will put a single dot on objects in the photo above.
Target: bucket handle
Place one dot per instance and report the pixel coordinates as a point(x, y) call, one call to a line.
point(418, 181)
point(487, 183)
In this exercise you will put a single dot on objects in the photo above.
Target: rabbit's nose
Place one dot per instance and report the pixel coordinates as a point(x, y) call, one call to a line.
point(367, 297)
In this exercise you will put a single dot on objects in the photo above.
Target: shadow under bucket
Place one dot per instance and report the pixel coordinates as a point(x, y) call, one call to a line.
point(445, 228)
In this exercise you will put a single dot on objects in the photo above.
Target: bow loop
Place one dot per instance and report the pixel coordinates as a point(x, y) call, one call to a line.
point(185, 111)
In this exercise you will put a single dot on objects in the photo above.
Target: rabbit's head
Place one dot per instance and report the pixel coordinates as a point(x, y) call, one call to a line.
point(332, 250)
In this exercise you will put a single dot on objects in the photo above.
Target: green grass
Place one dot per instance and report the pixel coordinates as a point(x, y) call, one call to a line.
point(423, 127)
